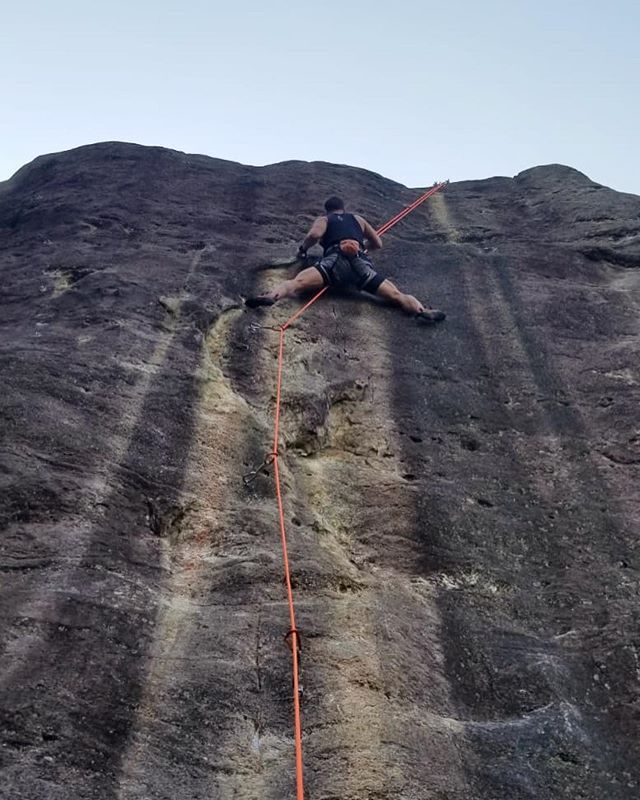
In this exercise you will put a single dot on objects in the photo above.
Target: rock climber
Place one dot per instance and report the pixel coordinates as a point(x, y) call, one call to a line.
point(346, 240)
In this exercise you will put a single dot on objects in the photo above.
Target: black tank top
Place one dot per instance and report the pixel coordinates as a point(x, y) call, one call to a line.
point(339, 227)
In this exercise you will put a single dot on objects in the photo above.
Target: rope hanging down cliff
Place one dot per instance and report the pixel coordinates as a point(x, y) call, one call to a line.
point(293, 635)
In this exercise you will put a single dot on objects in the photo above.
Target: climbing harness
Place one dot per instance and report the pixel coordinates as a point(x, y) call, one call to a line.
point(293, 635)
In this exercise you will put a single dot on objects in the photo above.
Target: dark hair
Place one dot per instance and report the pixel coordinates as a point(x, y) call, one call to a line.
point(334, 204)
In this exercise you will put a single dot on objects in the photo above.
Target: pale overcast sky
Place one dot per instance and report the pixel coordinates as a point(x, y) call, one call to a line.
point(413, 89)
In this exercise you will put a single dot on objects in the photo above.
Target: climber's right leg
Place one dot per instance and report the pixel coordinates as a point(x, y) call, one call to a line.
point(407, 302)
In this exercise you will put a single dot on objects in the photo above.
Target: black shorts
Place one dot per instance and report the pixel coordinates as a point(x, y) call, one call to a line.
point(349, 273)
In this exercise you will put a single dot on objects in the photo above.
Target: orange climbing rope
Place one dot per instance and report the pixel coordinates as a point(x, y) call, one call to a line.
point(293, 635)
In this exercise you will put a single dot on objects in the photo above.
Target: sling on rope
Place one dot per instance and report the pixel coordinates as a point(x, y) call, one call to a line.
point(293, 635)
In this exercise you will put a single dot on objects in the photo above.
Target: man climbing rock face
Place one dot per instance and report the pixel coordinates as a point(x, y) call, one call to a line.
point(345, 239)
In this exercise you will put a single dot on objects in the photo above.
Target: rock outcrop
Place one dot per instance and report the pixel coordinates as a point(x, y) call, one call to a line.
point(463, 501)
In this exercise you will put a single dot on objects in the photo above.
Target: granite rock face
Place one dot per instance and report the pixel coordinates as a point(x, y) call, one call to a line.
point(463, 501)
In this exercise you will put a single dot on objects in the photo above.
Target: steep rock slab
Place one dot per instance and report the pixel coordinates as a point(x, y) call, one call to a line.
point(463, 501)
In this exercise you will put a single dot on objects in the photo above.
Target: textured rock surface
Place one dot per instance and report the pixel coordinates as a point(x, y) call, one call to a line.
point(463, 501)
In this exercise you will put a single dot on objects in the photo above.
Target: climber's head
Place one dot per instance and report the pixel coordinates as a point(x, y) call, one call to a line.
point(334, 204)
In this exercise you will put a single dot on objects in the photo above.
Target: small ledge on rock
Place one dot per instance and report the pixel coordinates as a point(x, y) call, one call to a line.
point(170, 304)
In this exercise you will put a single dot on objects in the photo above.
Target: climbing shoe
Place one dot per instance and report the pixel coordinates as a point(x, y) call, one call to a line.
point(429, 316)
point(260, 300)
